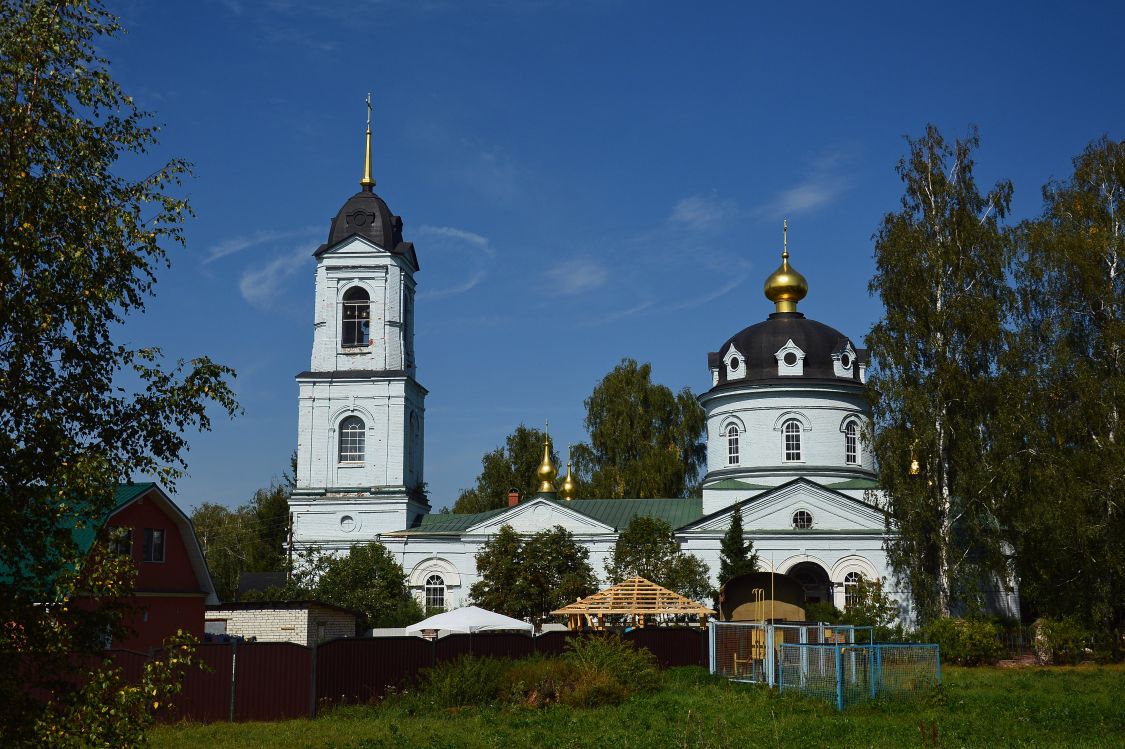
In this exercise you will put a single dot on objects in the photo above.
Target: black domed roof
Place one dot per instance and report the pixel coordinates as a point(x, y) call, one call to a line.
point(758, 345)
point(365, 214)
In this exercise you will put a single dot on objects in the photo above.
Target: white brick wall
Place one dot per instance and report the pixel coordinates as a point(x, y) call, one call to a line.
point(301, 626)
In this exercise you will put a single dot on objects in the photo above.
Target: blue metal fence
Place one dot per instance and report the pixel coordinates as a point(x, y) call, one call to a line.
point(850, 673)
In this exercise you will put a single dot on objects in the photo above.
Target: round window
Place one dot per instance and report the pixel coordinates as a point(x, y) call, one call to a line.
point(347, 523)
point(790, 359)
point(802, 519)
point(734, 362)
point(845, 361)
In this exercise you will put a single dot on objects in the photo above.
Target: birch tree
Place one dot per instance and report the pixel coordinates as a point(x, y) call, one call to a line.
point(940, 273)
point(1067, 391)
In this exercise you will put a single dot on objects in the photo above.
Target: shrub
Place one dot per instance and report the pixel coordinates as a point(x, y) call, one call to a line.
point(468, 680)
point(537, 681)
point(967, 642)
point(596, 689)
point(823, 612)
point(634, 668)
point(1059, 641)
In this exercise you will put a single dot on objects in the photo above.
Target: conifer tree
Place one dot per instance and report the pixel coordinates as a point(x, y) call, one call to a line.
point(940, 274)
point(737, 555)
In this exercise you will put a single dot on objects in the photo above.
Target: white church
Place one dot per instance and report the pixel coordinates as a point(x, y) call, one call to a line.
point(786, 415)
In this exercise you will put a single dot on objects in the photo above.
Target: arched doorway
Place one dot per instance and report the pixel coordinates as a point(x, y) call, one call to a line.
point(814, 579)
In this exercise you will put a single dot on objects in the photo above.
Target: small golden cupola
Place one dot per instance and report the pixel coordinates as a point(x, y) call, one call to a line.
point(547, 471)
point(569, 487)
point(786, 286)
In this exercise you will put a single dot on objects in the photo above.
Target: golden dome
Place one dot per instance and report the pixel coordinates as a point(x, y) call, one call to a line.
point(569, 488)
point(547, 471)
point(786, 286)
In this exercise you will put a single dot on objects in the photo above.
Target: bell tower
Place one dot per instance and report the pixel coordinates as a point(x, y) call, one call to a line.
point(360, 431)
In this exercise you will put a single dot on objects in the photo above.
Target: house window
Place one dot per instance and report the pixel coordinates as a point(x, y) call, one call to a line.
point(792, 436)
point(357, 318)
point(732, 445)
point(352, 436)
point(120, 541)
point(851, 589)
point(154, 544)
point(435, 592)
point(802, 520)
point(851, 443)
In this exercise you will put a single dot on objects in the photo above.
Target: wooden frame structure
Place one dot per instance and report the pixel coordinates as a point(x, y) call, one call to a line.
point(635, 599)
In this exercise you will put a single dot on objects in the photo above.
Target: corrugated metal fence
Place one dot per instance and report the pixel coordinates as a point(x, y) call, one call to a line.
point(279, 680)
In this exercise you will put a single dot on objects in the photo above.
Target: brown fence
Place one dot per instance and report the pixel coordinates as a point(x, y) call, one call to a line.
point(280, 680)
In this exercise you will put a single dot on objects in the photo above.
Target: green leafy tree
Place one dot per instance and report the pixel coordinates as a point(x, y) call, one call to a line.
point(1066, 396)
point(369, 580)
point(646, 548)
point(251, 538)
point(80, 246)
point(870, 606)
point(511, 466)
point(736, 553)
point(940, 263)
point(531, 577)
point(645, 440)
point(499, 564)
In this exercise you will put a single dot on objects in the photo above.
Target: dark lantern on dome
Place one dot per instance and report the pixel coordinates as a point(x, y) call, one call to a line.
point(824, 349)
point(366, 215)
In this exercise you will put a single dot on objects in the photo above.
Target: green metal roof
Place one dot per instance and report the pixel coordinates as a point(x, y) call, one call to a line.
point(84, 530)
point(855, 484)
point(452, 522)
point(617, 513)
point(736, 484)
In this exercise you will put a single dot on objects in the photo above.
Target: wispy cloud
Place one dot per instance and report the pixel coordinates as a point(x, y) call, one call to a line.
point(823, 183)
point(261, 285)
point(471, 253)
point(575, 277)
point(702, 211)
point(238, 244)
point(449, 232)
point(470, 283)
point(710, 296)
point(622, 314)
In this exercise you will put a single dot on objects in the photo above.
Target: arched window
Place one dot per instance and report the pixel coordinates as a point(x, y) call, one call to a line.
point(792, 436)
point(732, 445)
point(802, 520)
point(851, 589)
point(352, 435)
point(851, 443)
point(435, 592)
point(356, 329)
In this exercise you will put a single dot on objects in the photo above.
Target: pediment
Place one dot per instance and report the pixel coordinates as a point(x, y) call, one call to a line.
point(353, 245)
point(773, 511)
point(537, 515)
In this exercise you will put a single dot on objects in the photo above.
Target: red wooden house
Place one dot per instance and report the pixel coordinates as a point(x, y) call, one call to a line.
point(173, 584)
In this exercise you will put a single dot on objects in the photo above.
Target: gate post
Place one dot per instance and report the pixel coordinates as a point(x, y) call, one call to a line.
point(839, 677)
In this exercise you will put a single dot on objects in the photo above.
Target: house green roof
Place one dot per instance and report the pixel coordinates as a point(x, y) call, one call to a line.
point(83, 530)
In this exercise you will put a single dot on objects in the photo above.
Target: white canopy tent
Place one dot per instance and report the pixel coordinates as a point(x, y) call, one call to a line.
point(468, 619)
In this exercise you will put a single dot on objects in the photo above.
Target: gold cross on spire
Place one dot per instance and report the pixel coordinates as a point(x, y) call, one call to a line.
point(784, 238)
point(367, 182)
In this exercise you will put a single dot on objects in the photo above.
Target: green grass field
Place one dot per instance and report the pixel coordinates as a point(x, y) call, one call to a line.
point(986, 707)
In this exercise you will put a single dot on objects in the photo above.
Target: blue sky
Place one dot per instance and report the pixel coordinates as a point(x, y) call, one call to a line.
point(583, 181)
